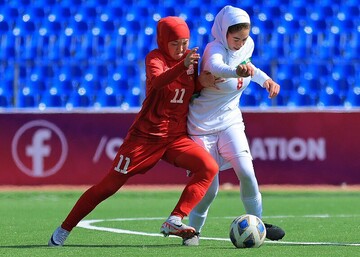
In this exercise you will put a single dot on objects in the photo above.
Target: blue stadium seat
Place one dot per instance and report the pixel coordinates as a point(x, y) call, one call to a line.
point(248, 100)
point(343, 70)
point(47, 3)
point(105, 27)
point(101, 3)
point(24, 3)
point(4, 100)
point(10, 14)
point(6, 93)
point(87, 12)
point(133, 97)
point(321, 12)
point(24, 28)
point(138, 13)
point(43, 71)
point(79, 27)
point(7, 83)
point(329, 97)
point(79, 98)
point(26, 98)
point(288, 70)
point(108, 97)
point(164, 11)
point(287, 84)
point(73, 3)
point(348, 11)
point(91, 85)
point(119, 84)
point(270, 13)
point(93, 33)
point(251, 96)
point(52, 98)
point(71, 71)
point(288, 27)
point(341, 85)
point(4, 27)
point(296, 12)
point(351, 51)
point(315, 69)
point(8, 50)
point(64, 85)
point(282, 99)
point(311, 85)
point(36, 12)
point(353, 97)
point(301, 99)
point(112, 13)
point(35, 84)
point(61, 13)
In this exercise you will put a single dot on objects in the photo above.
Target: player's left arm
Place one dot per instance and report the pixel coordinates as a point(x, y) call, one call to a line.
point(272, 87)
point(265, 81)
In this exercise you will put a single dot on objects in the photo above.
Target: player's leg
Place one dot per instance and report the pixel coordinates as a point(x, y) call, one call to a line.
point(235, 148)
point(249, 189)
point(199, 214)
point(86, 203)
point(132, 158)
point(187, 154)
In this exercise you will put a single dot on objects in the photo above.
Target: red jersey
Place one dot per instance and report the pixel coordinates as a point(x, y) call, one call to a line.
point(168, 93)
point(169, 86)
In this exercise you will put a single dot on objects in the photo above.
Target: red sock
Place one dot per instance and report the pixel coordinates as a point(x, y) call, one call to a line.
point(192, 194)
point(111, 183)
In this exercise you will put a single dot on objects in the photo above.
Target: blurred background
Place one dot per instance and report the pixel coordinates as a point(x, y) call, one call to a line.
point(90, 53)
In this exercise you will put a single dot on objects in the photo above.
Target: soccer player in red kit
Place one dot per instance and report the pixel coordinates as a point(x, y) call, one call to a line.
point(158, 132)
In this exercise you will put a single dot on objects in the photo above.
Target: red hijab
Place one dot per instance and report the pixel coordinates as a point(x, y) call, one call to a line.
point(169, 29)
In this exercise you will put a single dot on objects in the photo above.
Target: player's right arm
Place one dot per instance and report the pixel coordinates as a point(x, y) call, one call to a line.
point(157, 73)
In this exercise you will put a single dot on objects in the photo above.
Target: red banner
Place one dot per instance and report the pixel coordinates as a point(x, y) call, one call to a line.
point(78, 148)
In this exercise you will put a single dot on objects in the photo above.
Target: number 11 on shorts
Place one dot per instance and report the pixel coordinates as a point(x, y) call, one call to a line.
point(126, 164)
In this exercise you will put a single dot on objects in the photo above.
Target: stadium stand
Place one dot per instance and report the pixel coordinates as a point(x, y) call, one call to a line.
point(90, 53)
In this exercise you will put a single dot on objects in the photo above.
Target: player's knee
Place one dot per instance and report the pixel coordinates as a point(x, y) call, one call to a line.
point(211, 168)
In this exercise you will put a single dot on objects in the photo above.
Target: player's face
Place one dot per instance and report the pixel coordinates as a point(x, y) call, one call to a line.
point(177, 48)
point(237, 39)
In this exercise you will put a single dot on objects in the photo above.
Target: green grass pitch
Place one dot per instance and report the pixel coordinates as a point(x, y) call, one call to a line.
point(316, 224)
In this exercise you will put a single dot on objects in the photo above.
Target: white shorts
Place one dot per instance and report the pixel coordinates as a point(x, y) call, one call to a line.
point(225, 145)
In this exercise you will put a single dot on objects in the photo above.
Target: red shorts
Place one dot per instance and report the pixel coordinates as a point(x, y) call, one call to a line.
point(139, 156)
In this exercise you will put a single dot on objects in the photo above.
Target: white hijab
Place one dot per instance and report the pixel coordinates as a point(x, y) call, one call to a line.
point(227, 17)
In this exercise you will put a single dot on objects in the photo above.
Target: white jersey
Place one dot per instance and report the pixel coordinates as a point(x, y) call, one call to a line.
point(215, 109)
point(215, 121)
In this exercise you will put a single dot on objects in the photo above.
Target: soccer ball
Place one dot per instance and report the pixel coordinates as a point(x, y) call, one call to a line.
point(247, 231)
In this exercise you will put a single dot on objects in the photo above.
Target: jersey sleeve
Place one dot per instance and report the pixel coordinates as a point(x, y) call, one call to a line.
point(259, 76)
point(157, 73)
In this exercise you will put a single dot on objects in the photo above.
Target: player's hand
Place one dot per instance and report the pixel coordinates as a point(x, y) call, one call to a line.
point(192, 57)
point(272, 87)
point(245, 70)
point(209, 80)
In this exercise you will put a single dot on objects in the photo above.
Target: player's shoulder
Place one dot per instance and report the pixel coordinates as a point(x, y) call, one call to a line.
point(154, 54)
point(214, 47)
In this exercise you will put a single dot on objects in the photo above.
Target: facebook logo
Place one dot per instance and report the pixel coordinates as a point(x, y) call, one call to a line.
point(39, 148)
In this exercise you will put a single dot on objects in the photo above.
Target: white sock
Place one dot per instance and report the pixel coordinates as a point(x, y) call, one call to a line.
point(253, 205)
point(174, 219)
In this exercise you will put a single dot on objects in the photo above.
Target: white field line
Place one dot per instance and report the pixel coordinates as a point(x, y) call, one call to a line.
point(88, 224)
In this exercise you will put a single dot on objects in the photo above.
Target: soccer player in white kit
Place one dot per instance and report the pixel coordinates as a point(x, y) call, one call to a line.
point(215, 120)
